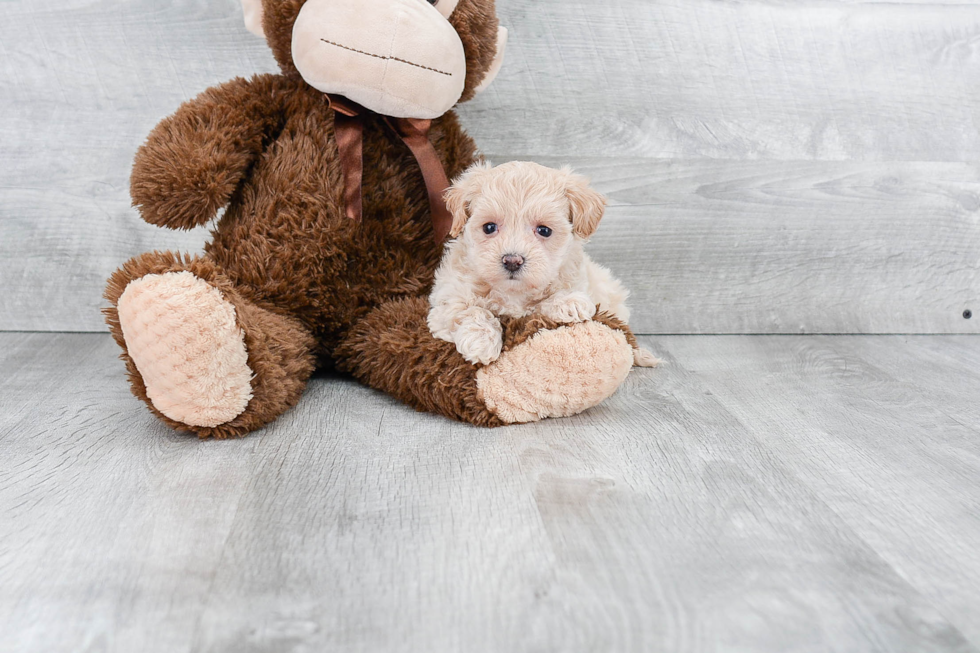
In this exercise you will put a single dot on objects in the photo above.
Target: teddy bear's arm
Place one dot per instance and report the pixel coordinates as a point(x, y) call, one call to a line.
point(193, 160)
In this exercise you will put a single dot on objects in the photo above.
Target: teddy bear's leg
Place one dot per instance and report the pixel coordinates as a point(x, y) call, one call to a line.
point(201, 356)
point(545, 370)
point(551, 370)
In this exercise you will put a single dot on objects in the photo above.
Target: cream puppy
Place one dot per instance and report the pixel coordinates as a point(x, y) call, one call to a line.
point(518, 233)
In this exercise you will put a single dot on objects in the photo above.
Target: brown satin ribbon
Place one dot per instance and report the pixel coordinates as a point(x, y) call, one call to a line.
point(348, 129)
point(349, 132)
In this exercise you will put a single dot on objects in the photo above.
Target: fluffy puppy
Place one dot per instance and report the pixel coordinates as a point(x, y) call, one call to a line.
point(519, 231)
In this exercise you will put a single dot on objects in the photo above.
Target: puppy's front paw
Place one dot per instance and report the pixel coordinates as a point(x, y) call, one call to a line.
point(478, 338)
point(573, 307)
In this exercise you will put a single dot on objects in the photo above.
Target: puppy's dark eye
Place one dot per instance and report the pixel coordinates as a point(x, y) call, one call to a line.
point(433, 2)
point(490, 228)
point(543, 231)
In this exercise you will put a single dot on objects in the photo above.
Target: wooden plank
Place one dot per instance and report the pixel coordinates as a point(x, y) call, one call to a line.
point(657, 521)
point(783, 79)
point(84, 81)
point(879, 433)
point(793, 247)
point(942, 370)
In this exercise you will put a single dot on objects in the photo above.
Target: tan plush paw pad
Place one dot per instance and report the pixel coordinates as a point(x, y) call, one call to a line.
point(190, 351)
point(556, 373)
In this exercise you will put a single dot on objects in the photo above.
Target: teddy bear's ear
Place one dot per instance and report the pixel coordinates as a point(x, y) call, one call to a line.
point(587, 206)
point(498, 60)
point(466, 188)
point(253, 16)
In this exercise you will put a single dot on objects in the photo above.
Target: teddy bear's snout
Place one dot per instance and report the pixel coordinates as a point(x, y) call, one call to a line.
point(399, 58)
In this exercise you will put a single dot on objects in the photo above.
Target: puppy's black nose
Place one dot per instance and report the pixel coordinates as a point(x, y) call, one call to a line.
point(513, 262)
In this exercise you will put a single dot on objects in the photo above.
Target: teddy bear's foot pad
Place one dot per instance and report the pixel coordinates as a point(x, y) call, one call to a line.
point(187, 345)
point(556, 373)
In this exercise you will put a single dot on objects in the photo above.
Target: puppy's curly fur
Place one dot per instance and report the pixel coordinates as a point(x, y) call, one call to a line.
point(519, 232)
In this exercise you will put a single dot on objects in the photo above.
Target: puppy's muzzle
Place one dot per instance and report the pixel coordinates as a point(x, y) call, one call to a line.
point(512, 262)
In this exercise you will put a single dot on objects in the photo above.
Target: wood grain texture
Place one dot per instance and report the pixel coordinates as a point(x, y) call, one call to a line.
point(792, 247)
point(779, 79)
point(669, 518)
point(710, 247)
point(849, 415)
point(83, 83)
point(706, 91)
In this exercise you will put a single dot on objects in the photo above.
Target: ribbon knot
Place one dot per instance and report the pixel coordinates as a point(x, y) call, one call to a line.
point(349, 132)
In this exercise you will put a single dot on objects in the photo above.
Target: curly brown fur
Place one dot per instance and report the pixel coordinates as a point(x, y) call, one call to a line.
point(279, 349)
point(476, 23)
point(216, 137)
point(288, 243)
point(392, 350)
point(278, 17)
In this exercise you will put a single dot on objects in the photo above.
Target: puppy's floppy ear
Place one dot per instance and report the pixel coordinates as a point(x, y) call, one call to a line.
point(587, 205)
point(464, 190)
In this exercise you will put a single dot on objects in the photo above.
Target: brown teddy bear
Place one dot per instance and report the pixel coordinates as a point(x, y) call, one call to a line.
point(223, 343)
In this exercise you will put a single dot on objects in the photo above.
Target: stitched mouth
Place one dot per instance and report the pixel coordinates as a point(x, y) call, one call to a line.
point(379, 56)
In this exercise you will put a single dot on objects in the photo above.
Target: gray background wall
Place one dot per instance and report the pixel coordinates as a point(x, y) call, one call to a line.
point(773, 166)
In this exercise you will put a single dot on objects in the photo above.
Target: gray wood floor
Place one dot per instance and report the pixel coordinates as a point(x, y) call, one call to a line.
point(773, 166)
point(756, 493)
